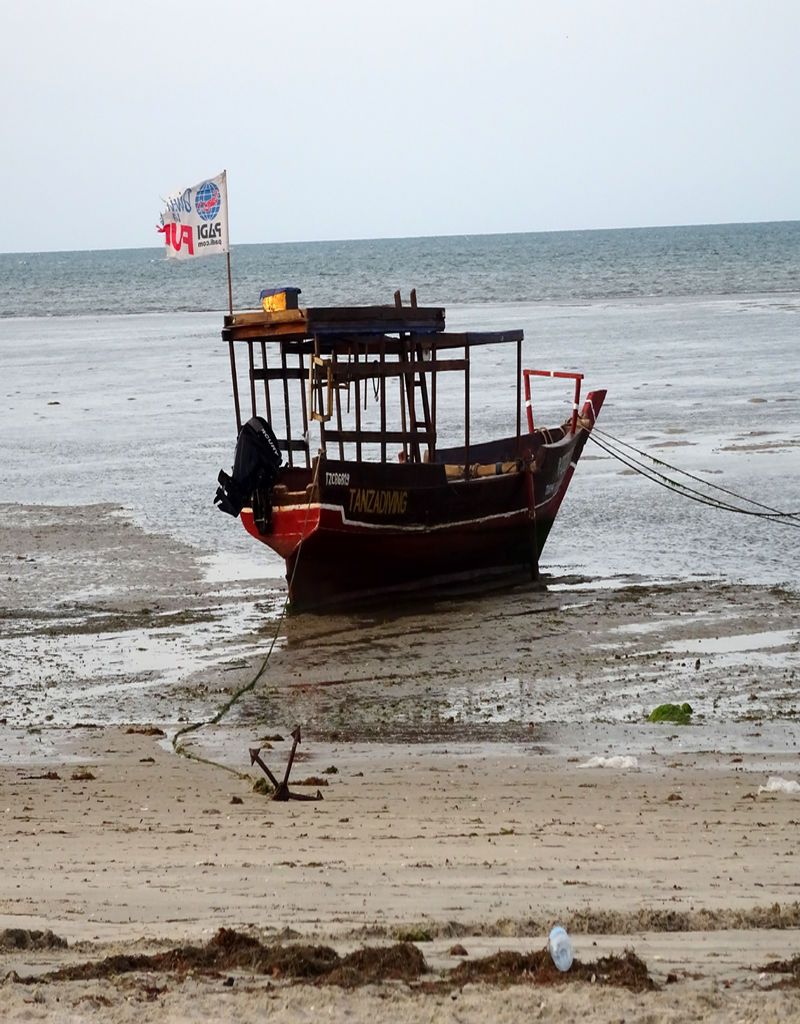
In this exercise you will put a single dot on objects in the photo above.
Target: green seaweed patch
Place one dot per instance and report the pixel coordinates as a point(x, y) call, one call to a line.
point(678, 714)
point(414, 934)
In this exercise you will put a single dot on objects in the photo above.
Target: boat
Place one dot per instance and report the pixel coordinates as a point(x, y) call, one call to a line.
point(339, 467)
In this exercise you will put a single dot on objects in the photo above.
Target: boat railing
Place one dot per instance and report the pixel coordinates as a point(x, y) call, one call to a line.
point(563, 375)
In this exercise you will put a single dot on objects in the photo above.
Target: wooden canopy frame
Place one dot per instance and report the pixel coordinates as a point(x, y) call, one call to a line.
point(322, 351)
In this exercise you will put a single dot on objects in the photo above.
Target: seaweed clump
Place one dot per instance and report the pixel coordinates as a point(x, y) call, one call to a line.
point(400, 962)
point(231, 950)
point(24, 938)
point(790, 967)
point(678, 714)
point(537, 968)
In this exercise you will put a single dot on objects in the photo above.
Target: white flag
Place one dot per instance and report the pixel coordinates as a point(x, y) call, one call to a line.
point(195, 220)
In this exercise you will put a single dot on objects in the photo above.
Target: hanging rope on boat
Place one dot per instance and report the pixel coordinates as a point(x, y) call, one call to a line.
point(237, 696)
point(613, 446)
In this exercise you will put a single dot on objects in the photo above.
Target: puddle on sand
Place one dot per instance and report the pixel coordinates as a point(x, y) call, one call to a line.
point(634, 629)
point(92, 676)
point(235, 567)
point(737, 644)
point(624, 582)
point(96, 592)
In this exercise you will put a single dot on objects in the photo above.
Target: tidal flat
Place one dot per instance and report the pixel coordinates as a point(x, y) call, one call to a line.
point(455, 737)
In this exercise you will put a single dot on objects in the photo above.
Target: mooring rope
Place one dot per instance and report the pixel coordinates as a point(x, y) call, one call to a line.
point(611, 445)
point(237, 696)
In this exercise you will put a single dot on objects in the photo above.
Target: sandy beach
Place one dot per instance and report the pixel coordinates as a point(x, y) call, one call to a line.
point(428, 292)
point(486, 771)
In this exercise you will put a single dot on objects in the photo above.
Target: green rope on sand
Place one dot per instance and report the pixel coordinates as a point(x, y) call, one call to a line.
point(183, 750)
point(679, 714)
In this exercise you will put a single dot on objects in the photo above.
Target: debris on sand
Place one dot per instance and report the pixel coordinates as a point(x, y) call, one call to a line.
point(145, 730)
point(415, 933)
point(511, 968)
point(24, 938)
point(227, 950)
point(401, 962)
point(599, 922)
point(790, 967)
point(678, 714)
point(776, 784)
point(622, 761)
point(231, 950)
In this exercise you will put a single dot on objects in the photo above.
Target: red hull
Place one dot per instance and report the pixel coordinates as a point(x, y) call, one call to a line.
point(367, 529)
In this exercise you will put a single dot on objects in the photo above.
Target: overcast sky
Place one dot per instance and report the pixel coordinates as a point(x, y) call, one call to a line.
point(370, 118)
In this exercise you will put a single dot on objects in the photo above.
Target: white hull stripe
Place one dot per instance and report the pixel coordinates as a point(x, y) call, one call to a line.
point(406, 528)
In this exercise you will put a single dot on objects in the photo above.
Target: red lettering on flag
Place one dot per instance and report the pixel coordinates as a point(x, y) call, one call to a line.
point(176, 234)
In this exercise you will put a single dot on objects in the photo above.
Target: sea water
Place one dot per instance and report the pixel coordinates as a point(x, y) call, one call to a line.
point(115, 383)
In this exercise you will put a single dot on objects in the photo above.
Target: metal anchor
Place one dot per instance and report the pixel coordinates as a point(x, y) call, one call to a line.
point(281, 791)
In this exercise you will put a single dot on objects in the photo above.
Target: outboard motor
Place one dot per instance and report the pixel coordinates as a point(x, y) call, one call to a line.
point(255, 469)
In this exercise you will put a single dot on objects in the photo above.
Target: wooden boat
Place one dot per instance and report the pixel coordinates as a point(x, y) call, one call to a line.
point(367, 502)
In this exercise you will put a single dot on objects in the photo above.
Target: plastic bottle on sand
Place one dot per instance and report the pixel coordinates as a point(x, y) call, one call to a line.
point(560, 946)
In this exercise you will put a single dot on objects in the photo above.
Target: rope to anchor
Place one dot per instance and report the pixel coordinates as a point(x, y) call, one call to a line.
point(237, 696)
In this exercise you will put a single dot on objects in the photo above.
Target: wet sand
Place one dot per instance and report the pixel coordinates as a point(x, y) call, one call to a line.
point(451, 734)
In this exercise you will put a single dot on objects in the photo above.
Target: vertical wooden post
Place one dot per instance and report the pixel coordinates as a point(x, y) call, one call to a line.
point(321, 405)
point(519, 394)
point(575, 403)
point(466, 411)
point(235, 382)
point(337, 397)
point(267, 402)
point(252, 377)
point(403, 418)
point(357, 383)
point(286, 409)
point(407, 354)
point(302, 367)
point(433, 389)
point(383, 397)
point(418, 356)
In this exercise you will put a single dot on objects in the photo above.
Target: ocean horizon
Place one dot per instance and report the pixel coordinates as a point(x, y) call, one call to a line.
point(402, 238)
point(528, 267)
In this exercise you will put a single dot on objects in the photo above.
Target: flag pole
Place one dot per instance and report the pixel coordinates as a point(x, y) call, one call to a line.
point(228, 253)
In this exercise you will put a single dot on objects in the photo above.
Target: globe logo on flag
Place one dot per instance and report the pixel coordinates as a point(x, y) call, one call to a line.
point(207, 200)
